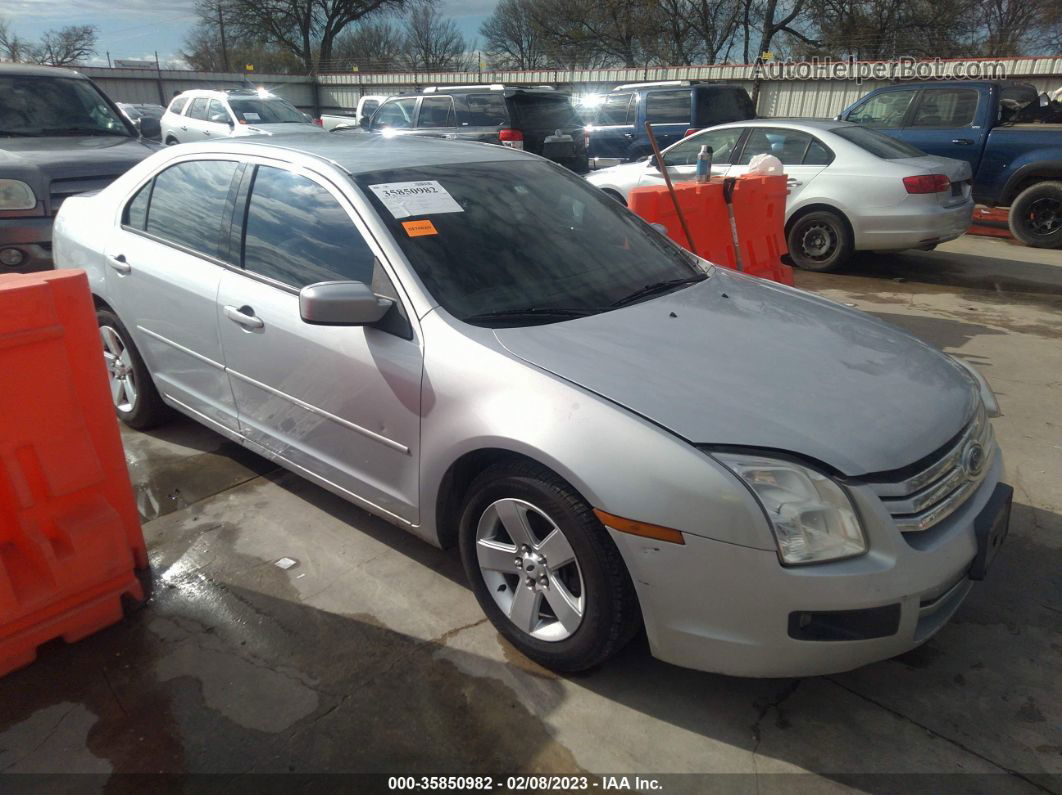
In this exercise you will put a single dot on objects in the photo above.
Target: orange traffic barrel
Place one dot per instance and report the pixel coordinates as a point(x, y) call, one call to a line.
point(70, 536)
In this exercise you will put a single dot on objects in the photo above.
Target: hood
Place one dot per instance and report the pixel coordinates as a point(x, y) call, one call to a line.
point(737, 361)
point(285, 129)
point(73, 156)
point(620, 172)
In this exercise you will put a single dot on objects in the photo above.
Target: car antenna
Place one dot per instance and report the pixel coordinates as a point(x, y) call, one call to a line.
point(670, 188)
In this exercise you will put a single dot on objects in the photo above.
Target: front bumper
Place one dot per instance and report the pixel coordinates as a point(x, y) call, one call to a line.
point(31, 236)
point(730, 609)
point(906, 227)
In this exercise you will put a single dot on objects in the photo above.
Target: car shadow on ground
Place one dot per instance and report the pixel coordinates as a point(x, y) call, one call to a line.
point(967, 271)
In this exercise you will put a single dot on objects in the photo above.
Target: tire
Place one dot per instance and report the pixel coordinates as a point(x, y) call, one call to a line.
point(1035, 217)
point(614, 195)
point(593, 592)
point(819, 241)
point(136, 401)
point(170, 141)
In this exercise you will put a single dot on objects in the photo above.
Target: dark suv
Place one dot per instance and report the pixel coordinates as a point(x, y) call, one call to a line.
point(540, 120)
point(59, 136)
point(673, 108)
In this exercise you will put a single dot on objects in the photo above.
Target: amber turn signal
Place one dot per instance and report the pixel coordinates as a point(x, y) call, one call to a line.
point(643, 529)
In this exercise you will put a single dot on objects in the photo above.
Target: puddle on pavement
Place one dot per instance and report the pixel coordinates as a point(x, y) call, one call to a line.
point(166, 482)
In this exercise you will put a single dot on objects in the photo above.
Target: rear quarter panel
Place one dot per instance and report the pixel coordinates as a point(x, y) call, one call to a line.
point(1013, 156)
point(78, 238)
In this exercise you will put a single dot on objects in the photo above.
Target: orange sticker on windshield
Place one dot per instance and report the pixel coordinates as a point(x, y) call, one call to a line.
point(419, 228)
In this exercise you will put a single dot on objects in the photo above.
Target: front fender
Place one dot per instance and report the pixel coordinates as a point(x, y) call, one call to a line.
point(478, 396)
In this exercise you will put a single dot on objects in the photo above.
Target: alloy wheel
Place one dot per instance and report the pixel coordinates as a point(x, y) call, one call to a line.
point(530, 569)
point(120, 371)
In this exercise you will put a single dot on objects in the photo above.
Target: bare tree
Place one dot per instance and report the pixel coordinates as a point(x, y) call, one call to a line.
point(431, 42)
point(512, 38)
point(588, 32)
point(1014, 26)
point(694, 31)
point(12, 48)
point(368, 46)
point(65, 46)
point(307, 28)
point(877, 29)
point(202, 50)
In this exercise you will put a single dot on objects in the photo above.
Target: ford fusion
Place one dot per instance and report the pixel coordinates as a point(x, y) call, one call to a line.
point(489, 352)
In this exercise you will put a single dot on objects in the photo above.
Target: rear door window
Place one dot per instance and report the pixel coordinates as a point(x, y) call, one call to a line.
point(189, 204)
point(178, 104)
point(885, 110)
point(298, 234)
point(945, 108)
point(788, 146)
point(486, 110)
point(436, 112)
point(721, 106)
point(668, 107)
point(135, 215)
point(818, 154)
point(198, 110)
point(876, 143)
point(614, 110)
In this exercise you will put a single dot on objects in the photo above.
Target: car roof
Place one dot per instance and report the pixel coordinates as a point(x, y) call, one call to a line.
point(38, 71)
point(357, 152)
point(807, 125)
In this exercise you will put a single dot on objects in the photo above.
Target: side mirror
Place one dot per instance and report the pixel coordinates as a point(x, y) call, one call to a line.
point(149, 128)
point(364, 122)
point(341, 304)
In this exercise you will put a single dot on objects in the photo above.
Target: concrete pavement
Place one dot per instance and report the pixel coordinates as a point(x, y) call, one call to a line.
point(370, 654)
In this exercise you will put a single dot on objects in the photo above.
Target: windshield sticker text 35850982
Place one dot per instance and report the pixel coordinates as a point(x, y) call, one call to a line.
point(404, 199)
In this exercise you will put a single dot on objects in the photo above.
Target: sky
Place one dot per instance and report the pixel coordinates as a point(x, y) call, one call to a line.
point(135, 29)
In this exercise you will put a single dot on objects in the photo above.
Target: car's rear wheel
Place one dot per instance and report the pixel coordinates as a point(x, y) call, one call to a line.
point(170, 140)
point(136, 401)
point(544, 569)
point(1036, 215)
point(819, 241)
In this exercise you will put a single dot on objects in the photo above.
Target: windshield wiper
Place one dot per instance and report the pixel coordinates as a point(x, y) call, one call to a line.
point(535, 312)
point(80, 131)
point(658, 287)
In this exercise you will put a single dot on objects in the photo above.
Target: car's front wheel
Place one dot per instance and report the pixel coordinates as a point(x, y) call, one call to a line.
point(171, 141)
point(1036, 215)
point(819, 241)
point(136, 401)
point(544, 569)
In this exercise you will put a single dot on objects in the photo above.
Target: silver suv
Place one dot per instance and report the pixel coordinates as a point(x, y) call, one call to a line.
point(200, 115)
point(480, 347)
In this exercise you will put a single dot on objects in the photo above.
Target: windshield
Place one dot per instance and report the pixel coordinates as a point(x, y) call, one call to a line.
point(877, 143)
point(266, 111)
point(488, 238)
point(35, 106)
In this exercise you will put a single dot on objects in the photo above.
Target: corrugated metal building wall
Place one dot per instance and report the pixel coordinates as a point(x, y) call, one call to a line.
point(813, 97)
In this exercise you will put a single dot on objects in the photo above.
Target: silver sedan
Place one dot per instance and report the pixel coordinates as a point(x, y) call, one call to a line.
point(476, 345)
point(850, 188)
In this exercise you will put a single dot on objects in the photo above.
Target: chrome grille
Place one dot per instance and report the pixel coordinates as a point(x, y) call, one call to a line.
point(60, 189)
point(930, 496)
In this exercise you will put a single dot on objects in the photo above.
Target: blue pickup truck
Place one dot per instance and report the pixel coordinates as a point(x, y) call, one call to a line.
point(1009, 136)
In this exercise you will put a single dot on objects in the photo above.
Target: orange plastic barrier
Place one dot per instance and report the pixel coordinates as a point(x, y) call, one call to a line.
point(69, 531)
point(758, 205)
point(990, 222)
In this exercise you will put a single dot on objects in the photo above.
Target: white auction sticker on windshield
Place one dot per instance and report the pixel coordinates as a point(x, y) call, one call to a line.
point(404, 199)
point(251, 116)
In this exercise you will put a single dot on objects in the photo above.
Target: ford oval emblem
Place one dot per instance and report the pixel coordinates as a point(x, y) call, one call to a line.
point(973, 459)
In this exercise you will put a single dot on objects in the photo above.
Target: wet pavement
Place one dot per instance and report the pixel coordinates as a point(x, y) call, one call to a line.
point(370, 654)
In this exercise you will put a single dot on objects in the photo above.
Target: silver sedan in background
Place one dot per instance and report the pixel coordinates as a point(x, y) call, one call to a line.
point(475, 344)
point(850, 188)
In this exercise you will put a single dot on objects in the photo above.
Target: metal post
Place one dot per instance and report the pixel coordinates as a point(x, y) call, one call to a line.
point(158, 79)
point(224, 49)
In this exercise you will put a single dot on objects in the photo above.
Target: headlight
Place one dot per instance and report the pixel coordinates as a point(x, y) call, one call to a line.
point(811, 516)
point(16, 195)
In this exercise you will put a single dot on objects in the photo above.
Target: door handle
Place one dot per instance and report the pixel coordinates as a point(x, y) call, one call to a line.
point(118, 262)
point(628, 135)
point(962, 141)
point(792, 182)
point(183, 127)
point(247, 318)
